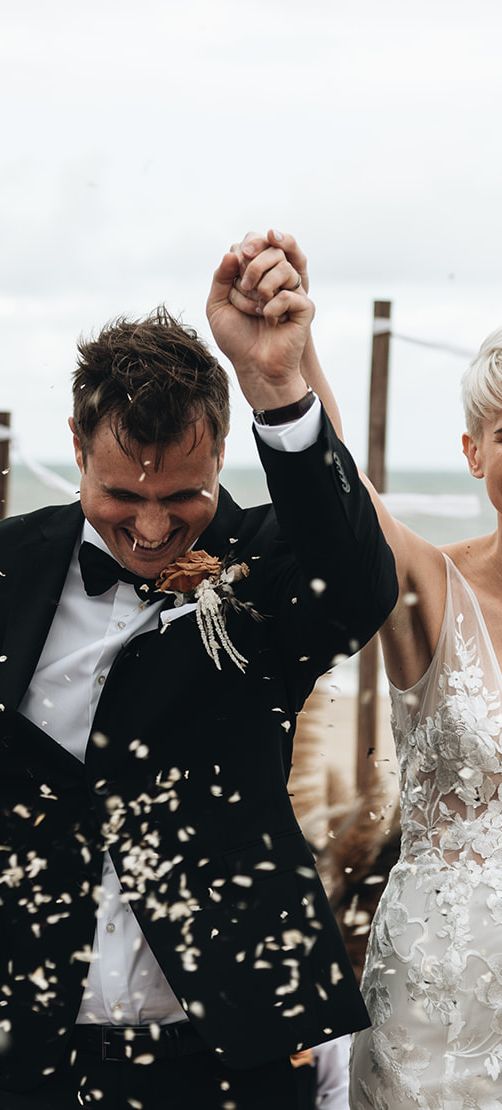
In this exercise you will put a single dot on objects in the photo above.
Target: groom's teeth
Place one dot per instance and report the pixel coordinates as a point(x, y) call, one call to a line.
point(146, 544)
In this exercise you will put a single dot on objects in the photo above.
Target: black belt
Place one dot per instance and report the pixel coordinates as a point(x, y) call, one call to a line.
point(128, 1042)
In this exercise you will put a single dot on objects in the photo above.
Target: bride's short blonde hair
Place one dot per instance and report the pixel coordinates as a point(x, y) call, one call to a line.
point(482, 384)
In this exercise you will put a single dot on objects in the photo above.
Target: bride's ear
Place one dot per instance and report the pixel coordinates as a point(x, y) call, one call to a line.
point(473, 455)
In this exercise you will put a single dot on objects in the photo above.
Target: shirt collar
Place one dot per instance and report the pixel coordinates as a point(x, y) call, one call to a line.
point(90, 535)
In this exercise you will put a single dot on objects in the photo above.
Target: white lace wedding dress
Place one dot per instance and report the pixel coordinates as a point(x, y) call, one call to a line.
point(433, 975)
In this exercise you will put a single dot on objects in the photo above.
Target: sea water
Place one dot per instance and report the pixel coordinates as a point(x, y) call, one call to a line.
point(248, 487)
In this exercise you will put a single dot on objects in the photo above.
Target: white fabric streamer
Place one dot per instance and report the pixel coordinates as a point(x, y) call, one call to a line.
point(48, 477)
point(432, 504)
point(382, 326)
point(43, 473)
point(450, 349)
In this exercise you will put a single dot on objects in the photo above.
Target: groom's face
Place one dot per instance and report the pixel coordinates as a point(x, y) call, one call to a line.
point(148, 511)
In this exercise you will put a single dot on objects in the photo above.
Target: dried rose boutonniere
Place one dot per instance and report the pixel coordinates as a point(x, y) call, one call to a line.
point(208, 581)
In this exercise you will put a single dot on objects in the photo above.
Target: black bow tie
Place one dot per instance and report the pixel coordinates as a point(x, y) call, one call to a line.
point(100, 572)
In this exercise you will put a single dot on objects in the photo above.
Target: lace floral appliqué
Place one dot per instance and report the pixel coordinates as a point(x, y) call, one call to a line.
point(433, 976)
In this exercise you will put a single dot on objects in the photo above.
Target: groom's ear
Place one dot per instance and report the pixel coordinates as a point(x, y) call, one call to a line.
point(472, 453)
point(77, 445)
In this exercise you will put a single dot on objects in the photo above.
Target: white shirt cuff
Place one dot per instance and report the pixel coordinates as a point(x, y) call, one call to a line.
point(297, 435)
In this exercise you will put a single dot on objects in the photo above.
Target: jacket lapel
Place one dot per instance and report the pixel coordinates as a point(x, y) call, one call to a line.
point(41, 567)
point(220, 535)
point(42, 562)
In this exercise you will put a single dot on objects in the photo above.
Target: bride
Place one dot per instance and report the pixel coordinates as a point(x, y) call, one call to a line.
point(433, 976)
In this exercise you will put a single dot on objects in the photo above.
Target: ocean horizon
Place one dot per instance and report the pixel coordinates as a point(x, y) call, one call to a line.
point(247, 484)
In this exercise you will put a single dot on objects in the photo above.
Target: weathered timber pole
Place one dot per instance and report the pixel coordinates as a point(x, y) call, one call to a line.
point(4, 465)
point(368, 660)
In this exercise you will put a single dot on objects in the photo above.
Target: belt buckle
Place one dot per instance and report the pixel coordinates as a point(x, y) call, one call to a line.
point(106, 1057)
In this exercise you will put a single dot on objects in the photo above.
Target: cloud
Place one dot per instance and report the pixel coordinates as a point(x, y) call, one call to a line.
point(141, 141)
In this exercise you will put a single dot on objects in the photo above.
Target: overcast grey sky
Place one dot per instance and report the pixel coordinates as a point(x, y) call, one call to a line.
point(140, 139)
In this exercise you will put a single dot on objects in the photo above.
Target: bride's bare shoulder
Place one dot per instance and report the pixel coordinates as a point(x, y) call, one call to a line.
point(470, 556)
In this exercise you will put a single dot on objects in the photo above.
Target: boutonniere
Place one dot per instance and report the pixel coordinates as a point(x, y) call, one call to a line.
point(208, 582)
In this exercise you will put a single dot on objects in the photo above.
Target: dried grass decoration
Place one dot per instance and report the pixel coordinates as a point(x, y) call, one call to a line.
point(206, 581)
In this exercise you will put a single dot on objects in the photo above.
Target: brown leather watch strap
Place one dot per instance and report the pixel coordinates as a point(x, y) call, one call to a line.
point(287, 413)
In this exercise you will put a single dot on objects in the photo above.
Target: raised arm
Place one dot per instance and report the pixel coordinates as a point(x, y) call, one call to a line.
point(410, 634)
point(325, 515)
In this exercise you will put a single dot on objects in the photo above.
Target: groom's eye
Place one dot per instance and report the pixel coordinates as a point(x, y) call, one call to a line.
point(184, 495)
point(121, 495)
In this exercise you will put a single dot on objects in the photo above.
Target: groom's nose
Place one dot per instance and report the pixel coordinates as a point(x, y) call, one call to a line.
point(153, 522)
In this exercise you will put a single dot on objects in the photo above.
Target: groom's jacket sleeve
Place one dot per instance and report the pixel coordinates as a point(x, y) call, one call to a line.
point(343, 582)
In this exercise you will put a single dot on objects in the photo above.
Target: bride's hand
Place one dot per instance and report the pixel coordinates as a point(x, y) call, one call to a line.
point(267, 264)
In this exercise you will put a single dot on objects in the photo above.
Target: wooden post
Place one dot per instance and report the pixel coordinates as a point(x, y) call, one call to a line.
point(4, 465)
point(368, 663)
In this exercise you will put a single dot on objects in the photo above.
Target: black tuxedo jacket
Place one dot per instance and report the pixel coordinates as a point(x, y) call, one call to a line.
point(201, 831)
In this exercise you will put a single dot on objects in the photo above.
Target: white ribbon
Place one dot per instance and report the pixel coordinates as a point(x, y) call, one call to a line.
point(43, 473)
point(432, 504)
point(448, 347)
point(381, 326)
point(48, 477)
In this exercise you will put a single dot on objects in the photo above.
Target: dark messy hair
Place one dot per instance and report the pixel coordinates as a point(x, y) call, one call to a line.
point(151, 380)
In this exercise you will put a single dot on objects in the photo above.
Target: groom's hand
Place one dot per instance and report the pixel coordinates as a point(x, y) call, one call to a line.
point(267, 344)
point(261, 258)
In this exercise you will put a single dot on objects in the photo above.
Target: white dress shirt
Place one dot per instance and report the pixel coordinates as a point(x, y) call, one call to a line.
point(332, 1059)
point(125, 984)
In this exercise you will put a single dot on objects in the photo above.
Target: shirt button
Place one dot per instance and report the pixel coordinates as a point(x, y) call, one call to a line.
point(110, 928)
point(121, 624)
point(102, 679)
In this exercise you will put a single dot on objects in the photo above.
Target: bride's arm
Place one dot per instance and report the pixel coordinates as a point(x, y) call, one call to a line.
point(410, 634)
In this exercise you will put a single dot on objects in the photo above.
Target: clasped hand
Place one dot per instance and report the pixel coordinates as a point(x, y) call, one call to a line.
point(260, 316)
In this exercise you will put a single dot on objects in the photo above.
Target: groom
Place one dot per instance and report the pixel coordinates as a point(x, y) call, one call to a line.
point(165, 940)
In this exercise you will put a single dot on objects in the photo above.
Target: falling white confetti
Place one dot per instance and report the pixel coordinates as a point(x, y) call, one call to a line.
point(318, 586)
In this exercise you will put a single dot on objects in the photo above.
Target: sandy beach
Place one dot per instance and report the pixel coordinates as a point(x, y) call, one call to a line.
point(323, 777)
point(326, 735)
